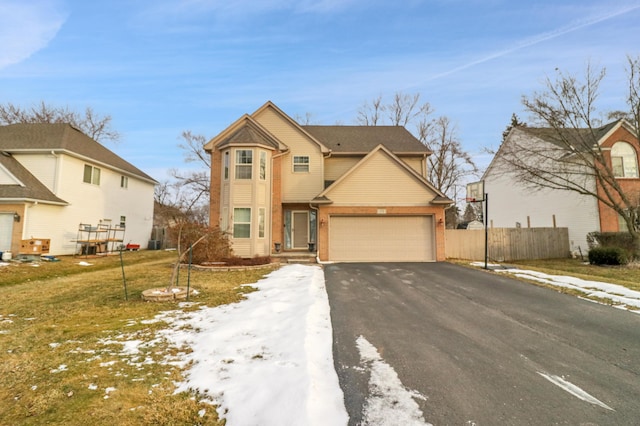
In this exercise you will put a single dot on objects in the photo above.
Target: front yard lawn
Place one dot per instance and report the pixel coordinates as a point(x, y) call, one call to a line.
point(627, 276)
point(74, 352)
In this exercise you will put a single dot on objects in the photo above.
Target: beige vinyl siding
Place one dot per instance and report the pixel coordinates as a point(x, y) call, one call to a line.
point(262, 194)
point(380, 181)
point(242, 248)
point(334, 167)
point(225, 194)
point(242, 193)
point(415, 163)
point(296, 187)
point(381, 238)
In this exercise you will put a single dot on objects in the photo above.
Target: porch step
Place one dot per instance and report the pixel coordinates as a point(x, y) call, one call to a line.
point(302, 260)
point(295, 257)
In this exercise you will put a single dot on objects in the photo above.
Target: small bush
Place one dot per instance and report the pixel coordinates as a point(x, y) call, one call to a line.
point(621, 240)
point(215, 247)
point(608, 256)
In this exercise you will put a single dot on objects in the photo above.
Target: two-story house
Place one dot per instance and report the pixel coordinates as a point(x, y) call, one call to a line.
point(512, 204)
point(351, 193)
point(53, 178)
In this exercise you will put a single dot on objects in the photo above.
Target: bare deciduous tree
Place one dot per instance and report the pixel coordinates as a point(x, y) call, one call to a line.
point(572, 160)
point(370, 113)
point(93, 125)
point(449, 164)
point(191, 189)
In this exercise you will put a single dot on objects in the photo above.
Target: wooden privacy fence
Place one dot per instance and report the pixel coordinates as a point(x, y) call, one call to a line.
point(508, 244)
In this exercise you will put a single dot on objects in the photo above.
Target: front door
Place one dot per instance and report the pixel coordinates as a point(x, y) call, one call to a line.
point(300, 229)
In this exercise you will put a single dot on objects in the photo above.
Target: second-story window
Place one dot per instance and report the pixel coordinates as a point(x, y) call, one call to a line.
point(91, 175)
point(300, 163)
point(624, 160)
point(124, 182)
point(244, 163)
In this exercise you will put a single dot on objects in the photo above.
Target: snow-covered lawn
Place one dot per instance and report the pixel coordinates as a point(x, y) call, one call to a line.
point(620, 297)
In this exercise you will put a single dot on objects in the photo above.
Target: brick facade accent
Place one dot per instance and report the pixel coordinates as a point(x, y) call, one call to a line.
point(630, 186)
point(16, 235)
point(277, 226)
point(215, 188)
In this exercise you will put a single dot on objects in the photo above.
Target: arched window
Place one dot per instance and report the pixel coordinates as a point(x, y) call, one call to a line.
point(624, 160)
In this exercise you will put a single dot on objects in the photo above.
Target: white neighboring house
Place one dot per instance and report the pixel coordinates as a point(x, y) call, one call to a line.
point(512, 204)
point(53, 178)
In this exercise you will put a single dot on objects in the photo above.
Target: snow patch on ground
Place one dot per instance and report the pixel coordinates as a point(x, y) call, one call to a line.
point(617, 294)
point(268, 359)
point(389, 401)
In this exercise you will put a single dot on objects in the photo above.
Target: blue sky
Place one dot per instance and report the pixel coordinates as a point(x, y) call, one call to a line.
point(163, 66)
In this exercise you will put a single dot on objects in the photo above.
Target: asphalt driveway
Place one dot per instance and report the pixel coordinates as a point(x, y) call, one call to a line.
point(484, 349)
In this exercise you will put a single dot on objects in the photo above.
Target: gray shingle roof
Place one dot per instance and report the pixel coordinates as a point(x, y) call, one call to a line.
point(18, 138)
point(33, 189)
point(580, 139)
point(362, 139)
point(249, 135)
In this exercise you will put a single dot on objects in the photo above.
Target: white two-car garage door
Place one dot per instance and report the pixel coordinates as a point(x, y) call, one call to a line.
point(381, 239)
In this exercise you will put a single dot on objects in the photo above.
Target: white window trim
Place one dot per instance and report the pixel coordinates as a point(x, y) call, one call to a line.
point(226, 165)
point(262, 215)
point(632, 157)
point(294, 164)
point(262, 166)
point(235, 222)
point(243, 165)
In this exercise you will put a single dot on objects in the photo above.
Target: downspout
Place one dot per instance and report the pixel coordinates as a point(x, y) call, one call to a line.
point(328, 155)
point(56, 177)
point(424, 165)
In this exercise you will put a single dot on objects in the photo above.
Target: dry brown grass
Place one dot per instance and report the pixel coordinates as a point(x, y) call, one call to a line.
point(62, 328)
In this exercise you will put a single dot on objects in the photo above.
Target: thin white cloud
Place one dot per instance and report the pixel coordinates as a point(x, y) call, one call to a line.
point(27, 27)
point(187, 9)
point(531, 41)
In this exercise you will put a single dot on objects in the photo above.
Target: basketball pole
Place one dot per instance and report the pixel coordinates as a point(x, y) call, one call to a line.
point(486, 229)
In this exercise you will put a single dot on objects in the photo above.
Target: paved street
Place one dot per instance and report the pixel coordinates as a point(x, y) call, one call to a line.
point(484, 349)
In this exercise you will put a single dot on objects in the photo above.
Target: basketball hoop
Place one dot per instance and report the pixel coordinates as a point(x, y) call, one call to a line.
point(475, 192)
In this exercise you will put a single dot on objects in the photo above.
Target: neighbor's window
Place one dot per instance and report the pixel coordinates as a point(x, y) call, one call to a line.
point(242, 222)
point(226, 165)
point(91, 175)
point(123, 221)
point(300, 163)
point(244, 163)
point(263, 165)
point(261, 215)
point(124, 182)
point(624, 160)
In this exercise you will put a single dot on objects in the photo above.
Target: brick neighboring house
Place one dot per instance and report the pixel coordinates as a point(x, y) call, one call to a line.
point(357, 193)
point(511, 204)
